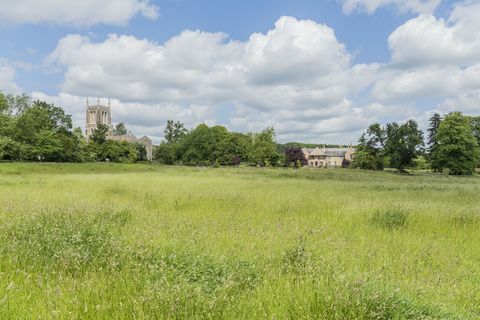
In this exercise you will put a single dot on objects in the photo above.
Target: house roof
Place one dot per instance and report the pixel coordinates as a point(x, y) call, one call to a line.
point(328, 152)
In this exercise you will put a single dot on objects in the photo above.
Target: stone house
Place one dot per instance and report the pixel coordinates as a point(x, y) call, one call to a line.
point(328, 157)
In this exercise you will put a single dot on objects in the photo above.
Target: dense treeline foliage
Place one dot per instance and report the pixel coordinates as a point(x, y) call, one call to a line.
point(452, 145)
point(38, 131)
point(207, 146)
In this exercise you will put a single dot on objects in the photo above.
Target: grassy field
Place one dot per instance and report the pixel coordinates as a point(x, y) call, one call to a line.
point(106, 241)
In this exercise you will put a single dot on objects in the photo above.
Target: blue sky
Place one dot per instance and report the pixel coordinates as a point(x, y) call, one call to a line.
point(321, 73)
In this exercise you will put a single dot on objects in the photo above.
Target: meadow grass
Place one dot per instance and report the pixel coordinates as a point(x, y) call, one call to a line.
point(112, 241)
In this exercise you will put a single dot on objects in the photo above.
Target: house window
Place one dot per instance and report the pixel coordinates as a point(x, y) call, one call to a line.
point(316, 163)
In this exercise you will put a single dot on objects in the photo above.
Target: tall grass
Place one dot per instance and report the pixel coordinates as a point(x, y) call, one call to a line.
point(150, 242)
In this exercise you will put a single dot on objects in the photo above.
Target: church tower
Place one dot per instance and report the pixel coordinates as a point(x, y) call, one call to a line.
point(97, 114)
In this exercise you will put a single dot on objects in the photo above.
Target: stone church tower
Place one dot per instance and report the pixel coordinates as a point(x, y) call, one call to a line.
point(97, 114)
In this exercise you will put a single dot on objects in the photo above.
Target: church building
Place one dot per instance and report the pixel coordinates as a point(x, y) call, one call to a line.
point(101, 114)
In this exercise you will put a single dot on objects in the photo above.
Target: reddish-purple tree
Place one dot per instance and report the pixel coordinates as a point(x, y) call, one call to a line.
point(294, 156)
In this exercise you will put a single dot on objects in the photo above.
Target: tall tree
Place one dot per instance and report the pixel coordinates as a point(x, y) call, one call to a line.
point(370, 153)
point(475, 124)
point(120, 129)
point(434, 121)
point(264, 149)
point(99, 135)
point(432, 143)
point(403, 144)
point(174, 131)
point(165, 153)
point(457, 146)
point(3, 103)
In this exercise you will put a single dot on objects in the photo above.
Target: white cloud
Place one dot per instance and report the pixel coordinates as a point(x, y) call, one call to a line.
point(79, 13)
point(297, 70)
point(297, 77)
point(7, 78)
point(370, 6)
point(429, 40)
point(434, 58)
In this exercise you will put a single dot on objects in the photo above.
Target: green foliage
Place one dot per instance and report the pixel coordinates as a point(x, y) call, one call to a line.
point(120, 129)
point(264, 150)
point(174, 131)
point(457, 148)
point(38, 131)
point(232, 148)
point(420, 163)
point(12, 150)
point(206, 146)
point(100, 134)
point(369, 153)
point(402, 144)
point(141, 152)
point(199, 147)
point(3, 103)
point(390, 219)
point(432, 143)
point(396, 145)
point(165, 153)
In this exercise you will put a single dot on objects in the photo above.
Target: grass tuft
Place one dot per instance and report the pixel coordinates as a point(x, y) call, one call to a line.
point(390, 219)
point(66, 242)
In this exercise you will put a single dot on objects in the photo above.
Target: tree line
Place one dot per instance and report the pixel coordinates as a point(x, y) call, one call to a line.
point(452, 145)
point(216, 146)
point(39, 131)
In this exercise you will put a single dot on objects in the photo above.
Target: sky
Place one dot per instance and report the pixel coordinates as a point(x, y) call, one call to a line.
point(318, 71)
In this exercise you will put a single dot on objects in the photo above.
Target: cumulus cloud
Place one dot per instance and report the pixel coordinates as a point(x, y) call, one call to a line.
point(79, 13)
point(7, 78)
point(435, 58)
point(370, 6)
point(297, 77)
point(298, 71)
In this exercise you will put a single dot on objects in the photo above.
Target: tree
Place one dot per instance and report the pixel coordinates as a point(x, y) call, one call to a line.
point(434, 121)
point(12, 150)
point(165, 153)
point(295, 157)
point(233, 148)
point(141, 152)
point(200, 146)
point(475, 124)
point(403, 144)
point(264, 149)
point(16, 104)
point(99, 135)
point(370, 154)
point(457, 145)
point(174, 131)
point(120, 129)
point(3, 103)
point(432, 142)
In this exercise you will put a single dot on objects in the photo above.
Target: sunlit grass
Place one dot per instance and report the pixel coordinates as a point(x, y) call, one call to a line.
point(108, 241)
